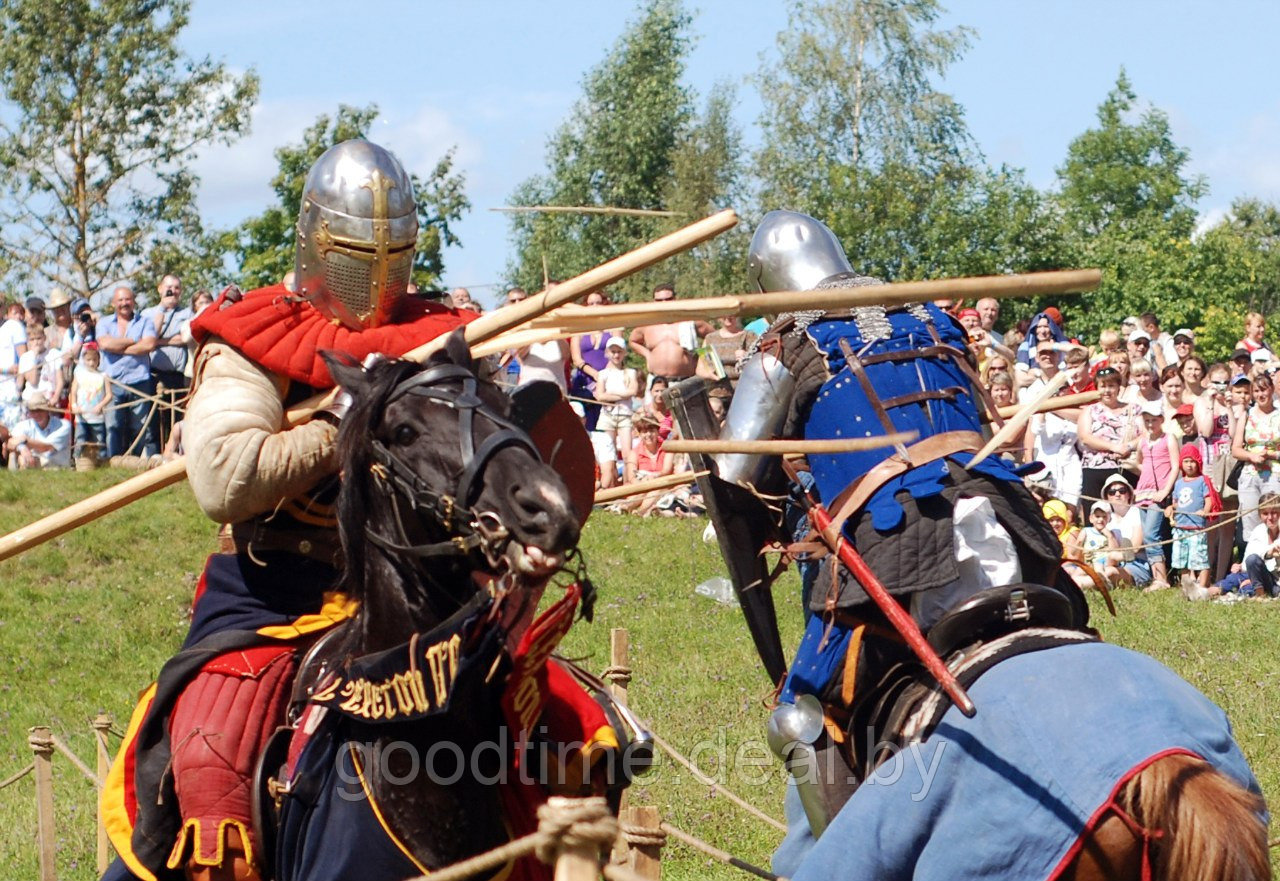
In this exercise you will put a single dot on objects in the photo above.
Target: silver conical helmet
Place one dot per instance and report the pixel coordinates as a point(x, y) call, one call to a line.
point(357, 230)
point(793, 252)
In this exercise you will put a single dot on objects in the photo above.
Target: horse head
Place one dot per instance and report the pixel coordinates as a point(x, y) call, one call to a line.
point(441, 485)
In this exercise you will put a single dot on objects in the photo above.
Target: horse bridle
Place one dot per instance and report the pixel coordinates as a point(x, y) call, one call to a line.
point(469, 530)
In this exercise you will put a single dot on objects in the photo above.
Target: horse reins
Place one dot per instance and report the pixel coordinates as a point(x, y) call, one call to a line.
point(467, 528)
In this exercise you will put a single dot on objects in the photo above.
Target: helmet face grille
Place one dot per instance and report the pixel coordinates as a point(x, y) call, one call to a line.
point(348, 281)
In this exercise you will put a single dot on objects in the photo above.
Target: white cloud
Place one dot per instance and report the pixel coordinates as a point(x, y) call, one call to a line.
point(235, 180)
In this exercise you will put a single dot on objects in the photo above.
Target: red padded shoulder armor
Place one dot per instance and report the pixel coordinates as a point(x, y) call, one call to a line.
point(275, 329)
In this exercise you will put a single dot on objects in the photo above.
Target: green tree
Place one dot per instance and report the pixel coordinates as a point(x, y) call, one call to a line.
point(856, 134)
point(103, 112)
point(617, 150)
point(263, 246)
point(1128, 207)
point(852, 92)
point(707, 176)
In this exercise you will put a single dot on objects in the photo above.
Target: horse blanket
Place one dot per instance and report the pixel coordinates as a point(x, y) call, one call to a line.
point(1009, 793)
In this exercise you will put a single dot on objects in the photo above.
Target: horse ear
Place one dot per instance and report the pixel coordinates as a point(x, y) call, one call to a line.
point(346, 371)
point(456, 351)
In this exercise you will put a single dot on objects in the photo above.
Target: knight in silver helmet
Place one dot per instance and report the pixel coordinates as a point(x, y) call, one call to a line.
point(793, 252)
point(789, 252)
point(357, 230)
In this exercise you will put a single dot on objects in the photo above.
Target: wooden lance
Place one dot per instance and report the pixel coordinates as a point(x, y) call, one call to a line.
point(483, 328)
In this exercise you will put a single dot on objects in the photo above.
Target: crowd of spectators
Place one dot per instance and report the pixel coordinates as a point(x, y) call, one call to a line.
point(1167, 477)
point(617, 383)
point(1171, 475)
point(77, 384)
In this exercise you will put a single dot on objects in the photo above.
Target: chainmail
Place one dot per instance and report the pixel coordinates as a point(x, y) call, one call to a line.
point(871, 320)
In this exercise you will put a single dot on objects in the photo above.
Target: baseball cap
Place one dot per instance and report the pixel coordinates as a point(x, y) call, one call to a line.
point(1153, 408)
point(1241, 352)
point(79, 304)
point(34, 303)
point(615, 341)
point(969, 312)
point(1101, 506)
point(1242, 379)
point(1185, 410)
point(1186, 332)
point(1261, 355)
point(1139, 334)
point(1131, 321)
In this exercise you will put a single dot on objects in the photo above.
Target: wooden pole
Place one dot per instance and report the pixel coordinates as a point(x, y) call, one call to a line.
point(642, 830)
point(1060, 402)
point(619, 677)
point(584, 209)
point(619, 672)
point(1019, 419)
point(779, 447)
point(101, 726)
point(627, 490)
point(46, 835)
point(483, 328)
point(582, 318)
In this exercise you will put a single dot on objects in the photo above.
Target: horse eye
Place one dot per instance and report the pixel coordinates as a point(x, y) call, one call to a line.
point(405, 435)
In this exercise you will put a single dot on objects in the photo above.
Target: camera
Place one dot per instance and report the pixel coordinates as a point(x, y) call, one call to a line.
point(86, 319)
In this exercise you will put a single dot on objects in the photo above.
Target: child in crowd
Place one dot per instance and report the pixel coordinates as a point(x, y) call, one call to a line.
point(615, 387)
point(1156, 457)
point(1258, 575)
point(89, 400)
point(1195, 501)
point(1101, 548)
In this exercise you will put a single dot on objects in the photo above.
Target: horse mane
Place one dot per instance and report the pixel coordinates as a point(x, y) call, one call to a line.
point(367, 406)
point(1212, 825)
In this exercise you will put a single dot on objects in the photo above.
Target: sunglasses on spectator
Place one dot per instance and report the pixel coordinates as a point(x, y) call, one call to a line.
point(1107, 373)
point(1117, 490)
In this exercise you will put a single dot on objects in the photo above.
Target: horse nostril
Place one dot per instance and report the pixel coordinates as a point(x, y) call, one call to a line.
point(542, 517)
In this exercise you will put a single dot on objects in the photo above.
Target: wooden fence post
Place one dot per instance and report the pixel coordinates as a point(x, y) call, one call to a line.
point(642, 830)
point(42, 745)
point(619, 672)
point(618, 675)
point(102, 725)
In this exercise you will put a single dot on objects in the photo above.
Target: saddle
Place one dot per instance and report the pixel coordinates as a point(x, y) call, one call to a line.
point(904, 703)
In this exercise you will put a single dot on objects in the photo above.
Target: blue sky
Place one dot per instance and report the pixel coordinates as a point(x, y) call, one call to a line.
point(496, 78)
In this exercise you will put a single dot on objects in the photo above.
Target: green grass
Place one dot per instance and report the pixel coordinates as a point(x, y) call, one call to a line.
point(86, 621)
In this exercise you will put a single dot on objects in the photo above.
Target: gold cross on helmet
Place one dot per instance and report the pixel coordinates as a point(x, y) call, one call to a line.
point(356, 234)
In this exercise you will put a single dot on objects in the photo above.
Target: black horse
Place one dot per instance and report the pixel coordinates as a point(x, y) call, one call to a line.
point(451, 526)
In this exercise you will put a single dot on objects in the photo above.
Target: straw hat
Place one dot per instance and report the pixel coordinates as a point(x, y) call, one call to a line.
point(58, 297)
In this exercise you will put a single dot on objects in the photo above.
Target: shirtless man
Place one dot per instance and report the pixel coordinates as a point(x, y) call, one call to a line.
point(669, 350)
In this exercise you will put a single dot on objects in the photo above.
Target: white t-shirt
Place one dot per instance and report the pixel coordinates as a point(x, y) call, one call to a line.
point(614, 381)
point(91, 387)
point(544, 361)
point(56, 432)
point(13, 333)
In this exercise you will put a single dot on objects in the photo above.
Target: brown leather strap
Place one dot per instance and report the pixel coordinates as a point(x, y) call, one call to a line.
point(962, 361)
point(945, 394)
point(254, 537)
point(942, 350)
point(860, 373)
point(856, 494)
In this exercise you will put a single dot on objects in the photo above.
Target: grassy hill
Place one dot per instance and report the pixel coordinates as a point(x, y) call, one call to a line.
point(86, 621)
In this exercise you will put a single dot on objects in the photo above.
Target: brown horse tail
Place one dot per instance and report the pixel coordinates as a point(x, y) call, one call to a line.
point(1211, 826)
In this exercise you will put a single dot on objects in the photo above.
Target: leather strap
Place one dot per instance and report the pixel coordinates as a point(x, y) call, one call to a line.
point(856, 494)
point(860, 373)
point(254, 537)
